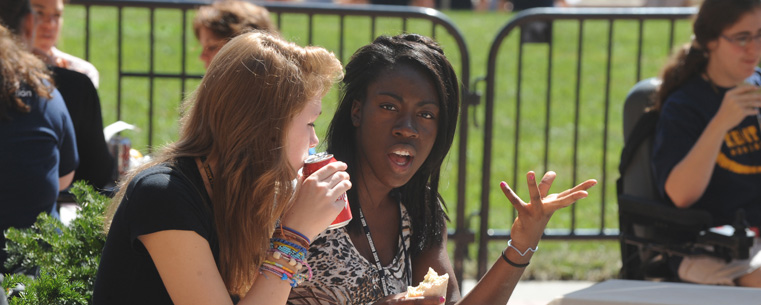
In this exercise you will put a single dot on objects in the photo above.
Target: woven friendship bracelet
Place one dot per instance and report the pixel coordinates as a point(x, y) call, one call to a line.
point(289, 243)
point(291, 260)
point(290, 251)
point(278, 242)
point(509, 245)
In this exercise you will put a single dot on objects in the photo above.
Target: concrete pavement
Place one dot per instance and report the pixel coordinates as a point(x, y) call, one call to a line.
point(537, 292)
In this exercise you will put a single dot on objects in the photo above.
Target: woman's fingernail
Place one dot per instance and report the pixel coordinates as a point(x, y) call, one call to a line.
point(503, 184)
point(442, 300)
point(531, 175)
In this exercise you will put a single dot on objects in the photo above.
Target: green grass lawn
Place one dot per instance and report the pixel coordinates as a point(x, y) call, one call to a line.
point(592, 260)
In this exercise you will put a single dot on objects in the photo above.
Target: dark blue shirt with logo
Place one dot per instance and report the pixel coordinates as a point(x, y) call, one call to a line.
point(736, 180)
point(36, 148)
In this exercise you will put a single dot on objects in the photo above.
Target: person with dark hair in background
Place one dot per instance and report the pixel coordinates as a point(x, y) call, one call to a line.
point(393, 127)
point(707, 147)
point(217, 23)
point(38, 153)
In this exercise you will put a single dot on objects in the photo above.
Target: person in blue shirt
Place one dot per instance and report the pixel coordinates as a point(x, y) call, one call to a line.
point(38, 153)
point(707, 148)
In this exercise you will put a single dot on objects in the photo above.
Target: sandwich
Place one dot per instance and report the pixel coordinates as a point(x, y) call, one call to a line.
point(432, 285)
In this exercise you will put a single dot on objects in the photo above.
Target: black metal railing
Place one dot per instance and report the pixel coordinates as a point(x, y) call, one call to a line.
point(548, 68)
point(541, 30)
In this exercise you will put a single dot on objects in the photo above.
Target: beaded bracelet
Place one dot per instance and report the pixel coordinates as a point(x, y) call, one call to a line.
point(298, 263)
point(283, 273)
point(291, 260)
point(291, 246)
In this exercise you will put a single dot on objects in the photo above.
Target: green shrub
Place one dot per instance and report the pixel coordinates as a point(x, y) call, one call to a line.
point(67, 256)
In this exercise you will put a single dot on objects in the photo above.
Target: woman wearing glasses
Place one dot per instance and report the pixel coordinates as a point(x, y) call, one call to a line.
point(707, 149)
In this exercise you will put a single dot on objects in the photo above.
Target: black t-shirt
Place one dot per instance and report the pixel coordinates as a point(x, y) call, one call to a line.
point(96, 165)
point(164, 197)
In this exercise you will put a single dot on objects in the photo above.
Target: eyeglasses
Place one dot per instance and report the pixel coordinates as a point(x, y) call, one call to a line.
point(41, 16)
point(742, 40)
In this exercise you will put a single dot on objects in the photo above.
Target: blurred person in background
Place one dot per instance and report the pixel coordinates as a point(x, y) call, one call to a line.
point(97, 166)
point(38, 152)
point(50, 20)
point(77, 81)
point(217, 23)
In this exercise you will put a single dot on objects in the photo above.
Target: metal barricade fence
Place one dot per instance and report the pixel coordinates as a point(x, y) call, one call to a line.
point(149, 85)
point(550, 42)
point(571, 71)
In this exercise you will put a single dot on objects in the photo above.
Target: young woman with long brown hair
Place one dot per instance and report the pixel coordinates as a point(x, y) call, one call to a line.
point(198, 224)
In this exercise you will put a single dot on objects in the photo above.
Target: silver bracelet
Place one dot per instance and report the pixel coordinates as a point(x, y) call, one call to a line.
point(509, 245)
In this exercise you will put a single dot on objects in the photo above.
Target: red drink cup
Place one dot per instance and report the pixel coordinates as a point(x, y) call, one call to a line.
point(312, 164)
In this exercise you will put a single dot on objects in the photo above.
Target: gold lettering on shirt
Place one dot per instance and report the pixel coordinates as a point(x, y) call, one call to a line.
point(740, 142)
point(733, 139)
point(726, 163)
point(744, 136)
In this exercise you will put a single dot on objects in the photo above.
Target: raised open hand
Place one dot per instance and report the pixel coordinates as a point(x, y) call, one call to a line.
point(534, 215)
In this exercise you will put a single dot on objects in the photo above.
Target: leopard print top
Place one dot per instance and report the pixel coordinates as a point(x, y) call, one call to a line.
point(342, 276)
